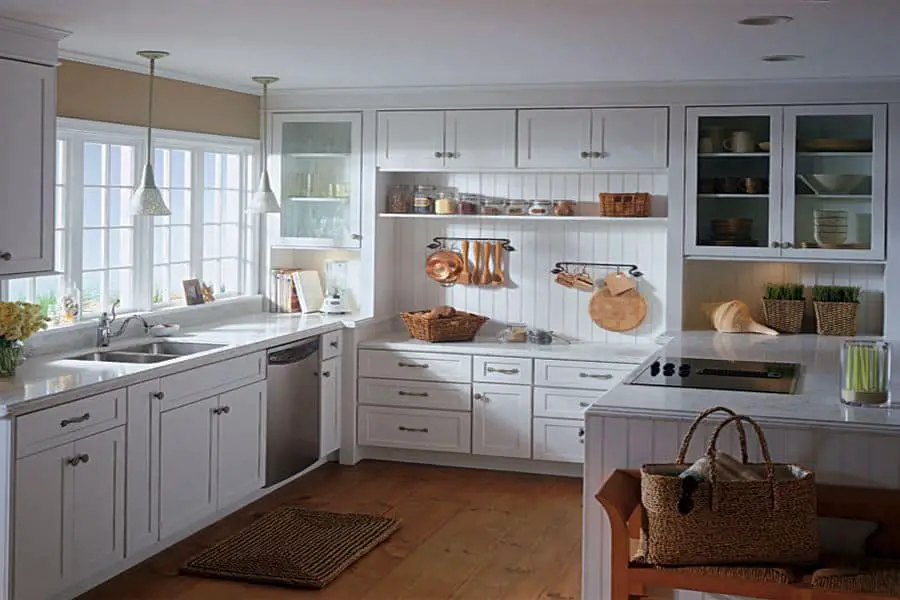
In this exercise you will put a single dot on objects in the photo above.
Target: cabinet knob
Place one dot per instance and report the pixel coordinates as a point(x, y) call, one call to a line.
point(84, 458)
point(333, 344)
point(355, 236)
point(226, 409)
point(158, 395)
point(326, 373)
point(73, 461)
point(581, 434)
point(452, 154)
point(438, 154)
point(585, 154)
point(787, 245)
point(477, 396)
point(775, 245)
point(584, 404)
point(598, 154)
point(7, 256)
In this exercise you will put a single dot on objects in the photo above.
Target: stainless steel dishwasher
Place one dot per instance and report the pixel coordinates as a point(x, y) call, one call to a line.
point(292, 420)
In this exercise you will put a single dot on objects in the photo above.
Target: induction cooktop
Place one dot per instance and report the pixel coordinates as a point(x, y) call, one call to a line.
point(715, 374)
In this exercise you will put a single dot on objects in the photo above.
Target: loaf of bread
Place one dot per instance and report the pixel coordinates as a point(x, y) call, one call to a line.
point(442, 312)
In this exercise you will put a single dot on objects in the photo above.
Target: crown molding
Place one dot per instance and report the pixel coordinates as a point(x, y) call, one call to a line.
point(33, 29)
point(141, 67)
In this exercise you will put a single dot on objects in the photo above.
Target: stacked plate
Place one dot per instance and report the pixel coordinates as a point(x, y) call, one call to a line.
point(830, 227)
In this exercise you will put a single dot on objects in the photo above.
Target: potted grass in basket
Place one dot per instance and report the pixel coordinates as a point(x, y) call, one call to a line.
point(783, 307)
point(836, 307)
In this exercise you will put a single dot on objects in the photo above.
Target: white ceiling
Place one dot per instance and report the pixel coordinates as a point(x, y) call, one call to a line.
point(388, 43)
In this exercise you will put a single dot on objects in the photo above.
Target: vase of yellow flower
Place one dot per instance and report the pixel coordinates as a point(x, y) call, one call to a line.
point(18, 322)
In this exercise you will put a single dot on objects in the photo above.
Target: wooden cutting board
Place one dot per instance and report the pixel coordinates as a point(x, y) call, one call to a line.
point(623, 312)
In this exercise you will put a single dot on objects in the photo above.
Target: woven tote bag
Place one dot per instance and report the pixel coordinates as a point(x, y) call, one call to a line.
point(769, 521)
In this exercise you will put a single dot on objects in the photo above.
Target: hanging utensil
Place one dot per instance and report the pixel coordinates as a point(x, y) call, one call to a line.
point(444, 266)
point(474, 278)
point(619, 283)
point(465, 278)
point(499, 275)
point(565, 279)
point(583, 281)
point(486, 266)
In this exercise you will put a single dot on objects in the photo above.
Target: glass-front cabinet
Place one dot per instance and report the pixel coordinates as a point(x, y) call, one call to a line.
point(786, 182)
point(315, 166)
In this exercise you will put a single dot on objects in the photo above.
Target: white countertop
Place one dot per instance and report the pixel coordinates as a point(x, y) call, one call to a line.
point(489, 346)
point(815, 402)
point(50, 380)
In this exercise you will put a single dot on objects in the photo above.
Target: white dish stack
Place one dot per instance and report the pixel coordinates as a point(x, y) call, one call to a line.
point(830, 227)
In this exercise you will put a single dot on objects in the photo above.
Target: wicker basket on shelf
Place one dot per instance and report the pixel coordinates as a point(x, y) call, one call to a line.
point(784, 316)
point(461, 327)
point(625, 205)
point(836, 318)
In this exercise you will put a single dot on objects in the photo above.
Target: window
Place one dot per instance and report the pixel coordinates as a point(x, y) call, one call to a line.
point(109, 255)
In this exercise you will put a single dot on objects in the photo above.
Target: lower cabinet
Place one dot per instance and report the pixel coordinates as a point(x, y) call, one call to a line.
point(330, 407)
point(501, 420)
point(69, 513)
point(211, 455)
point(415, 429)
point(559, 440)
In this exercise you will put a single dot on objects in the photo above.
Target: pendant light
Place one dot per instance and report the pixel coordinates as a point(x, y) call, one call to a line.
point(147, 200)
point(264, 200)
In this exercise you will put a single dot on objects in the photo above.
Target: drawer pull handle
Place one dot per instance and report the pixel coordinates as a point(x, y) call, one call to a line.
point(596, 375)
point(333, 344)
point(223, 410)
point(584, 404)
point(581, 435)
point(73, 462)
point(74, 420)
point(503, 371)
point(413, 429)
point(158, 395)
point(415, 394)
point(7, 256)
point(412, 365)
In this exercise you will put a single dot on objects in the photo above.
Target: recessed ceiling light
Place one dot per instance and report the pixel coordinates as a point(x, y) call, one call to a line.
point(766, 20)
point(776, 58)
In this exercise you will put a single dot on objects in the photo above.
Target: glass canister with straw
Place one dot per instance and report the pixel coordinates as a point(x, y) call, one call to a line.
point(865, 372)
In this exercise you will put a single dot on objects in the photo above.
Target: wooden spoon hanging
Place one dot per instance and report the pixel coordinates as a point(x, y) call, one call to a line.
point(476, 273)
point(465, 278)
point(499, 275)
point(486, 266)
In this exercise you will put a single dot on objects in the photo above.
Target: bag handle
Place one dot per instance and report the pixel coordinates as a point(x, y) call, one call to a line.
point(686, 442)
point(763, 445)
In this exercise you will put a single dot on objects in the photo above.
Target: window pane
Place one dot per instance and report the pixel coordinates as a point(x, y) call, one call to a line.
point(18, 289)
point(233, 172)
point(90, 292)
point(160, 245)
point(209, 169)
point(211, 241)
point(231, 242)
point(59, 202)
point(93, 207)
point(60, 161)
point(93, 164)
point(211, 206)
point(161, 167)
point(231, 274)
point(92, 249)
point(211, 273)
point(160, 285)
point(121, 166)
point(46, 292)
point(180, 205)
point(231, 207)
point(181, 169)
point(120, 247)
point(120, 288)
point(120, 207)
point(177, 274)
point(181, 243)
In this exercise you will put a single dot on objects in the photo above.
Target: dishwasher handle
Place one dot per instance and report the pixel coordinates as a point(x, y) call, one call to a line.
point(293, 354)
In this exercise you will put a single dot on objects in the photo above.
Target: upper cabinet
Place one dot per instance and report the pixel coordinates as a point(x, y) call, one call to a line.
point(805, 182)
point(609, 139)
point(316, 167)
point(27, 155)
point(434, 140)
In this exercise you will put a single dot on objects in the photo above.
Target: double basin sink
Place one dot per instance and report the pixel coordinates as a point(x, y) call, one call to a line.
point(154, 352)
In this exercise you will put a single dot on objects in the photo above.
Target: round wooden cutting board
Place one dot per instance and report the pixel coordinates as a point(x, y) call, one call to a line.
point(618, 313)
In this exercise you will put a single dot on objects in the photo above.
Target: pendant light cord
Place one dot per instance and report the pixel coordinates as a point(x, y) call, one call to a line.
point(150, 114)
point(264, 137)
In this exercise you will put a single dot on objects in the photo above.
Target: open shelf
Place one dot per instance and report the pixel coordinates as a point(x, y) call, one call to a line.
point(732, 195)
point(316, 199)
point(522, 218)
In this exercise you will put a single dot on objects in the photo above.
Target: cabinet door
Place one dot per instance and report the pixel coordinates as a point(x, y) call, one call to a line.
point(43, 509)
point(733, 181)
point(559, 440)
point(835, 182)
point(241, 422)
point(187, 465)
point(501, 420)
point(98, 503)
point(411, 140)
point(142, 467)
point(481, 139)
point(330, 409)
point(630, 138)
point(555, 139)
point(315, 169)
point(27, 156)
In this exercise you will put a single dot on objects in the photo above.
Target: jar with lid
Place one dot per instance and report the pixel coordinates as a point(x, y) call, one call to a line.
point(539, 208)
point(564, 208)
point(492, 206)
point(517, 208)
point(445, 204)
point(423, 199)
point(399, 199)
point(865, 373)
point(468, 204)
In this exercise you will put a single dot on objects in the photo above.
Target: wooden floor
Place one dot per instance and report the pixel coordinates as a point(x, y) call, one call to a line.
point(466, 534)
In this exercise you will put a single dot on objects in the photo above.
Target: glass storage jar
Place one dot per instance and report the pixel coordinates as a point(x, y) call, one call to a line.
point(539, 208)
point(492, 206)
point(468, 204)
point(865, 372)
point(423, 199)
point(517, 208)
point(445, 204)
point(399, 199)
point(564, 208)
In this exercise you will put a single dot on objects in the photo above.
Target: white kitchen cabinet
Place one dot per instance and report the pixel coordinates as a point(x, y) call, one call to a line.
point(241, 445)
point(501, 420)
point(27, 159)
point(434, 140)
point(69, 513)
point(555, 138)
point(142, 466)
point(330, 407)
point(559, 440)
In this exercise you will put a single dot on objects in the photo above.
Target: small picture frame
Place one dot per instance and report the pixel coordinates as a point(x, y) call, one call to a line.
point(193, 292)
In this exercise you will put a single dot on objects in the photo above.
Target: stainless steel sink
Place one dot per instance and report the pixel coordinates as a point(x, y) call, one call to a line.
point(172, 348)
point(124, 357)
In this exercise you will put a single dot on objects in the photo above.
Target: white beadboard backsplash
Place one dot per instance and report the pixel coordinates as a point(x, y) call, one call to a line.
point(713, 281)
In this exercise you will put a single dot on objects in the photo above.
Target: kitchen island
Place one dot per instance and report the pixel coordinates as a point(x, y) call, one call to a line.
point(632, 425)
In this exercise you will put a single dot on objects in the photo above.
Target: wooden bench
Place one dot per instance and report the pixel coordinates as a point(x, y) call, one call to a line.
point(621, 498)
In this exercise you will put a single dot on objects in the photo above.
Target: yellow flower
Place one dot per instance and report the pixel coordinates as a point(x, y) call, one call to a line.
point(20, 320)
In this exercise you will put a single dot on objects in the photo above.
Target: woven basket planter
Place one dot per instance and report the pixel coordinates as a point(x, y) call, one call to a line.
point(836, 318)
point(784, 316)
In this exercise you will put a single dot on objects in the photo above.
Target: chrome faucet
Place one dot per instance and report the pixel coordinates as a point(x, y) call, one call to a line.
point(103, 326)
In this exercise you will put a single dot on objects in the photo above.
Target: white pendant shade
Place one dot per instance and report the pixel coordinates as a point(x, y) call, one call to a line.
point(147, 200)
point(264, 200)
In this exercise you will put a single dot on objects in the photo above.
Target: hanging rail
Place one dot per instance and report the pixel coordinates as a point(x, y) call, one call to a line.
point(438, 242)
point(561, 267)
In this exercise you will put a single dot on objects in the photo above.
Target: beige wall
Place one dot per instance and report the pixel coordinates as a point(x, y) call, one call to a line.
point(116, 96)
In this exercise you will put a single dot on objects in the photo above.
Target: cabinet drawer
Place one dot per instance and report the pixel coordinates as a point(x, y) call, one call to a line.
point(60, 424)
point(210, 380)
point(559, 440)
point(331, 344)
point(502, 370)
point(563, 403)
point(568, 373)
point(415, 429)
point(415, 394)
point(418, 366)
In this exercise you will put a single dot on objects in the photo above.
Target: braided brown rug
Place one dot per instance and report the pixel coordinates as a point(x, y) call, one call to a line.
point(293, 546)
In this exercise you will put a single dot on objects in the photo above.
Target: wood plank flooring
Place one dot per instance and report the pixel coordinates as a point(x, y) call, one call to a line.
point(466, 535)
